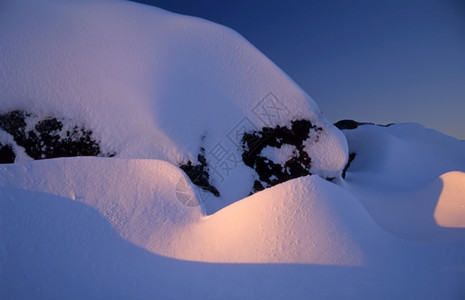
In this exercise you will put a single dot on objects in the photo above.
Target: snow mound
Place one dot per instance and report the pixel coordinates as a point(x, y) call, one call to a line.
point(410, 180)
point(116, 228)
point(167, 93)
point(405, 154)
point(306, 220)
point(138, 198)
point(153, 84)
point(450, 210)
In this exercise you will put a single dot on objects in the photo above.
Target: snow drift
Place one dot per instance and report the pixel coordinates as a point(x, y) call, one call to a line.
point(413, 175)
point(153, 84)
point(99, 227)
point(166, 93)
point(306, 220)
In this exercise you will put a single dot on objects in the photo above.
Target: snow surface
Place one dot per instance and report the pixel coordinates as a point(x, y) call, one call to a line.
point(152, 84)
point(413, 173)
point(99, 228)
point(279, 155)
point(155, 87)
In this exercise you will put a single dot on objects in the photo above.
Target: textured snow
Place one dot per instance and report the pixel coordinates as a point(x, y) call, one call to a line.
point(151, 84)
point(99, 228)
point(288, 223)
point(155, 87)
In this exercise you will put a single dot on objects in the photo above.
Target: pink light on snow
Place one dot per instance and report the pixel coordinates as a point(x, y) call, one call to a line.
point(450, 210)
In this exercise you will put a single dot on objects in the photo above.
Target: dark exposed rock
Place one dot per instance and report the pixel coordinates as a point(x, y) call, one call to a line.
point(271, 173)
point(14, 122)
point(346, 167)
point(351, 124)
point(198, 173)
point(47, 138)
point(258, 186)
point(7, 155)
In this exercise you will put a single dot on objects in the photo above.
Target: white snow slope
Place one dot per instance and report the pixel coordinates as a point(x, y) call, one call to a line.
point(414, 173)
point(151, 84)
point(99, 228)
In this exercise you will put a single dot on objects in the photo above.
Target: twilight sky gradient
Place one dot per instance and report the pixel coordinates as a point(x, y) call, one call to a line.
point(380, 61)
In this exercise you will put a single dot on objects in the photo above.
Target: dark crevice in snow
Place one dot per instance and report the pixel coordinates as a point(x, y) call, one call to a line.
point(198, 173)
point(49, 137)
point(351, 124)
point(7, 154)
point(346, 167)
point(270, 172)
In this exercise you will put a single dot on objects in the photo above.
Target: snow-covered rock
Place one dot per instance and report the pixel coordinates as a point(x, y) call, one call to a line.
point(50, 137)
point(167, 93)
point(153, 84)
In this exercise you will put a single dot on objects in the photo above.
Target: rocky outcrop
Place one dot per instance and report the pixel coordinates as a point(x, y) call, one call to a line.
point(297, 161)
point(199, 173)
point(48, 137)
point(351, 124)
point(7, 155)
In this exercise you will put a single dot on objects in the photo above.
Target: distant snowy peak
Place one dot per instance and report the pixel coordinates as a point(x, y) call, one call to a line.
point(152, 84)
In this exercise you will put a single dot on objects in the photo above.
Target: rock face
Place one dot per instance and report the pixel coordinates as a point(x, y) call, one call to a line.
point(7, 155)
point(199, 173)
point(295, 162)
point(46, 137)
point(276, 154)
point(351, 124)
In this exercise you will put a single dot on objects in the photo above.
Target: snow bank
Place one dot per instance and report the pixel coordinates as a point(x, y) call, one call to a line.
point(306, 220)
point(405, 154)
point(156, 88)
point(450, 210)
point(153, 84)
point(138, 198)
point(410, 180)
point(115, 228)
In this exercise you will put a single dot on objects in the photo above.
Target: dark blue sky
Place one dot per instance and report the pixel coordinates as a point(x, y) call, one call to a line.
point(375, 60)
